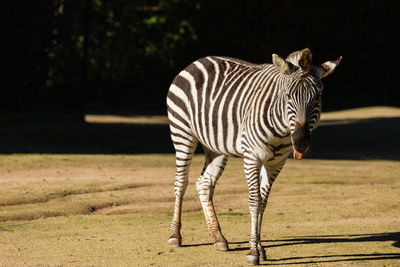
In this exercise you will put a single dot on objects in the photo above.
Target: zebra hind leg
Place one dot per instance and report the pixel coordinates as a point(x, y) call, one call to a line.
point(184, 155)
point(213, 168)
point(252, 169)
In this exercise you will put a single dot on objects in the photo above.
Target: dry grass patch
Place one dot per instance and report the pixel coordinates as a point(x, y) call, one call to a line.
point(103, 210)
point(116, 210)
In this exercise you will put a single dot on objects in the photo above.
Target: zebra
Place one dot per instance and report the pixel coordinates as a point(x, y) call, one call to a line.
point(260, 112)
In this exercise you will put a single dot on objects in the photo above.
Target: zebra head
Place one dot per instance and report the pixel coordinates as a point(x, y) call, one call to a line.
point(302, 90)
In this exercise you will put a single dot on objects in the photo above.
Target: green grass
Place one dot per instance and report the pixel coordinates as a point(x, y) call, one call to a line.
point(6, 229)
point(229, 213)
point(327, 182)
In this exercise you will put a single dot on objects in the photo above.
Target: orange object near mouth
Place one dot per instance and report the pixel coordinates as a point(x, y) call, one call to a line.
point(297, 155)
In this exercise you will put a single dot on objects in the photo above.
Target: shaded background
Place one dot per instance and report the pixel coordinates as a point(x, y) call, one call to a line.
point(63, 59)
point(99, 55)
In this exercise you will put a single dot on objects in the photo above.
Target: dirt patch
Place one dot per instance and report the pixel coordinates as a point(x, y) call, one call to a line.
point(116, 210)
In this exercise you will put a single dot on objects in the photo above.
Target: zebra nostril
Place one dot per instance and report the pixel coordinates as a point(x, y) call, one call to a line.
point(299, 124)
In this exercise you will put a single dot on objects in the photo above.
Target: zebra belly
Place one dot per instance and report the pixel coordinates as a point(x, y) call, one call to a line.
point(214, 136)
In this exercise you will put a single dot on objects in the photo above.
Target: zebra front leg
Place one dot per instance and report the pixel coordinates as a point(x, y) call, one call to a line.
point(265, 187)
point(252, 168)
point(260, 248)
point(213, 168)
point(267, 177)
point(184, 154)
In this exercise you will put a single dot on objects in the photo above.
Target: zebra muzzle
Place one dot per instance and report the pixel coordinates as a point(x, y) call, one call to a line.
point(301, 139)
point(297, 155)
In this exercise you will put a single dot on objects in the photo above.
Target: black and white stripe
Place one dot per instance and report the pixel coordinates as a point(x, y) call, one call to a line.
point(235, 108)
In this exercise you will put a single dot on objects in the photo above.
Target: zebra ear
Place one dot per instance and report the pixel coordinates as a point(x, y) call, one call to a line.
point(327, 68)
point(305, 61)
point(283, 66)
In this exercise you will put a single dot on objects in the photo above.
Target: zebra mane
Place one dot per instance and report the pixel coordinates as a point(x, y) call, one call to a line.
point(239, 61)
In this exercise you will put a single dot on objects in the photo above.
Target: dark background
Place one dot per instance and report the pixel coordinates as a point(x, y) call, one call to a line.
point(108, 56)
point(64, 58)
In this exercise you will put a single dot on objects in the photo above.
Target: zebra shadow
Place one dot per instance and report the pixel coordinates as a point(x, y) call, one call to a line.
point(323, 239)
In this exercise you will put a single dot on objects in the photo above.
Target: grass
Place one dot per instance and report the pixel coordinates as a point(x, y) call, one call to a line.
point(362, 113)
point(6, 229)
point(327, 182)
point(230, 213)
point(115, 210)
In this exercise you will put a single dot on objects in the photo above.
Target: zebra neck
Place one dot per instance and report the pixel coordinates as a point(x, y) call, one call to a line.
point(275, 114)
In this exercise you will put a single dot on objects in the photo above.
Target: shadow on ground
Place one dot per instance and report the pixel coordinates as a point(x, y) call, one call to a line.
point(72, 137)
point(333, 259)
point(351, 139)
point(376, 138)
point(338, 239)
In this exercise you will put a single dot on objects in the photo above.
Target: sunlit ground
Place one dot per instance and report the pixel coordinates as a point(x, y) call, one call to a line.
point(94, 209)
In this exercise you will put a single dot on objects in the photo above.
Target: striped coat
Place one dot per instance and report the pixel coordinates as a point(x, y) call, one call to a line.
point(234, 108)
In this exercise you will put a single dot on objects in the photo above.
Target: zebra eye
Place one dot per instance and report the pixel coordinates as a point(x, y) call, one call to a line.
point(289, 97)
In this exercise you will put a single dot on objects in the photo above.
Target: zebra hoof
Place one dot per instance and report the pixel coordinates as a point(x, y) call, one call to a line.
point(253, 260)
point(263, 256)
point(174, 242)
point(221, 246)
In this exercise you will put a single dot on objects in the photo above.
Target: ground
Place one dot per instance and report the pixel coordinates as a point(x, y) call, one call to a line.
point(336, 207)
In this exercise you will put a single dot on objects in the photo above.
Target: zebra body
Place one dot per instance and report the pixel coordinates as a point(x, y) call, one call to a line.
point(220, 125)
point(234, 108)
